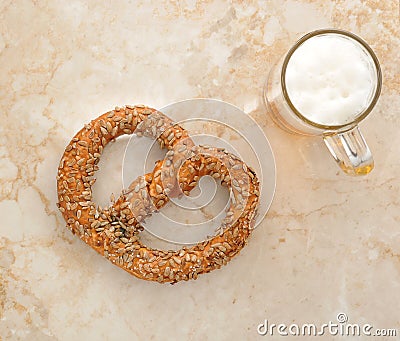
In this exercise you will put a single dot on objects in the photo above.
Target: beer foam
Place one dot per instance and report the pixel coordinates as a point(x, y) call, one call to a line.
point(330, 79)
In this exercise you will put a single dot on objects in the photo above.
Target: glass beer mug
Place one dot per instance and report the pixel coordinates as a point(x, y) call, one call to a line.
point(325, 85)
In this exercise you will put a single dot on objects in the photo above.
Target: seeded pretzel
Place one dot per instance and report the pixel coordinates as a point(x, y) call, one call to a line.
point(114, 231)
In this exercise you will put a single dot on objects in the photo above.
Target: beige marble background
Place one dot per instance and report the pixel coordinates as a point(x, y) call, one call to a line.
point(329, 244)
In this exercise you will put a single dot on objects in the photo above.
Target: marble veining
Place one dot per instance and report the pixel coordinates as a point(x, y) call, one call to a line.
point(329, 244)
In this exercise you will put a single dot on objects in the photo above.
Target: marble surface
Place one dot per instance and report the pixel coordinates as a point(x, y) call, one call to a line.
point(330, 243)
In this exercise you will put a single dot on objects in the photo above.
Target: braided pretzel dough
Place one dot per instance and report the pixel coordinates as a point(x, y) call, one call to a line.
point(113, 231)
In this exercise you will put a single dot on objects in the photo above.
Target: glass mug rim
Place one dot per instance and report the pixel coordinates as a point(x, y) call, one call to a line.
point(366, 111)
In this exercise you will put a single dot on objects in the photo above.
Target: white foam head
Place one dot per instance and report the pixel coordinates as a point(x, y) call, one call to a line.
point(331, 79)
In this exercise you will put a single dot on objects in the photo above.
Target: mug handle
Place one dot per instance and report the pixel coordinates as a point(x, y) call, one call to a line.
point(350, 151)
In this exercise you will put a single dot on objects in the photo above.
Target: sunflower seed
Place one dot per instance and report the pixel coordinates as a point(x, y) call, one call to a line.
point(182, 148)
point(177, 260)
point(103, 131)
point(83, 143)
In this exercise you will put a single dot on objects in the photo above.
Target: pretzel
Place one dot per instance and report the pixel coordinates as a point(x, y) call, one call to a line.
point(114, 231)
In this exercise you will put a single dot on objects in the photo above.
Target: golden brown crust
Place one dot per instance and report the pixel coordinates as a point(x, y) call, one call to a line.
point(113, 231)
